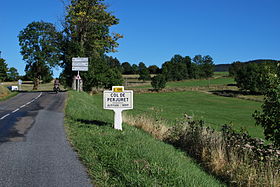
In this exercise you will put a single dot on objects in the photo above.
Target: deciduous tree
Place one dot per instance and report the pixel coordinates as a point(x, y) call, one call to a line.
point(40, 43)
point(87, 34)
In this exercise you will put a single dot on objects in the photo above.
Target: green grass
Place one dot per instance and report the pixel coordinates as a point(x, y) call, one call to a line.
point(214, 110)
point(196, 83)
point(125, 158)
point(6, 94)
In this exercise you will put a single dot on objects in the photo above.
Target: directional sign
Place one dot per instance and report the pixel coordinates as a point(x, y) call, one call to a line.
point(118, 100)
point(85, 59)
point(80, 64)
point(76, 68)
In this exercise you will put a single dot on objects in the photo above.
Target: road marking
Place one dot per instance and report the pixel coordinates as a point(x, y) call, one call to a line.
point(4, 116)
point(22, 106)
point(15, 110)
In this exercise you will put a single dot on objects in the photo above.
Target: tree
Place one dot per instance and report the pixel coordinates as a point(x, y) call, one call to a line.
point(154, 69)
point(3, 70)
point(175, 69)
point(127, 69)
point(252, 77)
point(269, 117)
point(205, 66)
point(87, 34)
point(135, 69)
point(12, 74)
point(143, 72)
point(113, 63)
point(158, 82)
point(234, 68)
point(40, 43)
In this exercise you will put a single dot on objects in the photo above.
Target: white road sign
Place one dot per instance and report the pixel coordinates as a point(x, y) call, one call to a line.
point(84, 59)
point(76, 68)
point(118, 100)
point(80, 64)
point(114, 100)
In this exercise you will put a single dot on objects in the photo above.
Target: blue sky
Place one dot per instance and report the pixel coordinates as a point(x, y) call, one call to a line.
point(155, 30)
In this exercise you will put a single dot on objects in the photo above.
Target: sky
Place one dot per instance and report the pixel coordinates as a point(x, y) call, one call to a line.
point(156, 30)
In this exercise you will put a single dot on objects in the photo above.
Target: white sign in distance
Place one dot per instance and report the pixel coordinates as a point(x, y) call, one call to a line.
point(76, 68)
point(80, 64)
point(118, 100)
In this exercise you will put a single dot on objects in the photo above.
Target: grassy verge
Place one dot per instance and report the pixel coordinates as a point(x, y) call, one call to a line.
point(6, 94)
point(128, 158)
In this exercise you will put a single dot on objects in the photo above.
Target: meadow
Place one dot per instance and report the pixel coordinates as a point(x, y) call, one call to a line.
point(214, 110)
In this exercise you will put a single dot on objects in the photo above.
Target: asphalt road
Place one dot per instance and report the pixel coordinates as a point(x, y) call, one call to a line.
point(33, 146)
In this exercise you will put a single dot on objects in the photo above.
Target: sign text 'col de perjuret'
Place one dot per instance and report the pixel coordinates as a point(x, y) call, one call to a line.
point(118, 100)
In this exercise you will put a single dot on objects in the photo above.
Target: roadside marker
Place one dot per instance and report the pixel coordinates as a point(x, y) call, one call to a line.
point(118, 100)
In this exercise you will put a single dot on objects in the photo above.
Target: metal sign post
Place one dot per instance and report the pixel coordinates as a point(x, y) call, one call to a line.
point(79, 64)
point(118, 100)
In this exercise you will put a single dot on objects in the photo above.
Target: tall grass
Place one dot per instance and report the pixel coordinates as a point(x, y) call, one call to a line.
point(234, 157)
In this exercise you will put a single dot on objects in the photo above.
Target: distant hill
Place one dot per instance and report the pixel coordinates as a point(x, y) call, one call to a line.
point(222, 67)
point(225, 67)
point(262, 61)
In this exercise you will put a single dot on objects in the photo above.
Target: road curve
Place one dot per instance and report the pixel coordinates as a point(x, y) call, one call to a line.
point(33, 146)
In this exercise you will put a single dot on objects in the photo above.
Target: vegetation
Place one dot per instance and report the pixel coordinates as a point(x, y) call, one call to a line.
point(214, 110)
point(144, 73)
point(269, 117)
point(126, 158)
point(252, 76)
point(40, 43)
point(87, 34)
point(237, 158)
point(3, 70)
point(12, 74)
point(158, 82)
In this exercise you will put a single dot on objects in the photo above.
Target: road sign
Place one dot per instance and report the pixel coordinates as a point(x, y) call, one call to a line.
point(118, 100)
point(80, 64)
point(79, 68)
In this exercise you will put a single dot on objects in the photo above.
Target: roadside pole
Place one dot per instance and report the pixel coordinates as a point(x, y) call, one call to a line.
point(78, 81)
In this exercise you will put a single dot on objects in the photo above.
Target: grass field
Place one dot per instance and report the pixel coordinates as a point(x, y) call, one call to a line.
point(193, 83)
point(214, 110)
point(125, 158)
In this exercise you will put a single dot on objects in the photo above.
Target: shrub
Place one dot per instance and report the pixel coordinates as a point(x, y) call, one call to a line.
point(158, 82)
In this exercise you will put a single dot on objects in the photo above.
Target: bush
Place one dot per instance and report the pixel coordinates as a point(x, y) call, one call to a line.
point(158, 82)
point(236, 157)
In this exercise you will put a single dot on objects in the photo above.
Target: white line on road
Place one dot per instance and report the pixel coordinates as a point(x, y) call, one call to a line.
point(21, 106)
point(15, 110)
point(4, 116)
